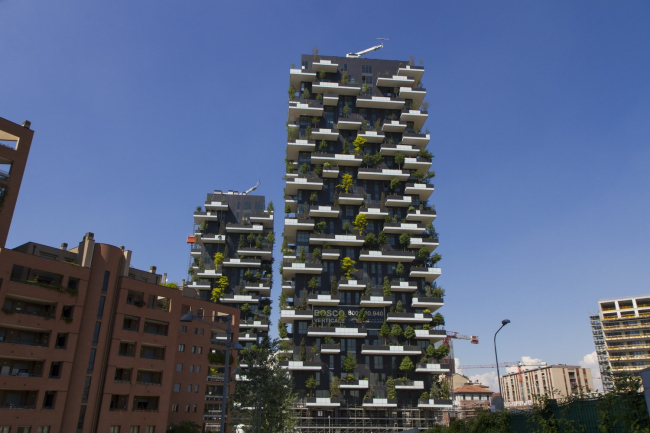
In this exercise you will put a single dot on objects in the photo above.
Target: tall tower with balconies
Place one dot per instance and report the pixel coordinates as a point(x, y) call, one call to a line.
point(232, 258)
point(358, 313)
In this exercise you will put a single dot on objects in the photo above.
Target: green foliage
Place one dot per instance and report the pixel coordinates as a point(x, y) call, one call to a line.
point(318, 171)
point(218, 259)
point(399, 269)
point(384, 331)
point(302, 256)
point(430, 351)
point(386, 287)
point(335, 387)
point(340, 318)
point(359, 143)
point(423, 254)
point(303, 350)
point(269, 387)
point(334, 286)
point(419, 175)
point(438, 320)
point(291, 92)
point(344, 77)
point(312, 284)
point(315, 121)
point(304, 168)
point(396, 331)
point(382, 239)
point(368, 291)
point(425, 154)
point(370, 242)
point(222, 285)
point(322, 145)
point(270, 239)
point(349, 363)
point(347, 267)
point(399, 159)
point(287, 208)
point(399, 307)
point(311, 384)
point(404, 240)
point(346, 227)
point(282, 330)
point(390, 388)
point(409, 333)
point(360, 223)
point(394, 184)
point(346, 183)
point(362, 317)
point(407, 365)
point(435, 258)
point(245, 309)
point(269, 207)
point(346, 110)
point(316, 253)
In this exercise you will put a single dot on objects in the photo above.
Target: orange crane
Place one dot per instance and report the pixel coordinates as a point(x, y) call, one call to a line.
point(448, 341)
point(507, 364)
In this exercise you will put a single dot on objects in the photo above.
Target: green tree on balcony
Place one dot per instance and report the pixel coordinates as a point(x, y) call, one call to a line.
point(359, 143)
point(311, 384)
point(399, 159)
point(221, 286)
point(347, 267)
point(407, 365)
point(386, 287)
point(360, 223)
point(409, 333)
point(346, 183)
point(335, 387)
point(384, 332)
point(404, 240)
point(349, 363)
point(218, 260)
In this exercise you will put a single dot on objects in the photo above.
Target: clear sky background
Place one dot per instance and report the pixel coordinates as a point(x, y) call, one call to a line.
point(539, 113)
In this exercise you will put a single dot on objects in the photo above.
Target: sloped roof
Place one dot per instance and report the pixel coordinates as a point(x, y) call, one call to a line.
point(469, 389)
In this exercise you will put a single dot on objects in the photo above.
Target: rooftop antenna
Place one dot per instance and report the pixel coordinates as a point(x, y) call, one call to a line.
point(361, 53)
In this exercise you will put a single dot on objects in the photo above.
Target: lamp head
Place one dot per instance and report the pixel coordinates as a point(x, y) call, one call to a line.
point(505, 322)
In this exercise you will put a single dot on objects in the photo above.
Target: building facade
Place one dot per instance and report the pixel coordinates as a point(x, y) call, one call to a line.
point(15, 143)
point(470, 398)
point(601, 352)
point(359, 297)
point(626, 330)
point(553, 381)
point(92, 344)
point(232, 253)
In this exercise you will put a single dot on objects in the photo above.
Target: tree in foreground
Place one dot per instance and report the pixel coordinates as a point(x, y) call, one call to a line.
point(268, 391)
point(184, 427)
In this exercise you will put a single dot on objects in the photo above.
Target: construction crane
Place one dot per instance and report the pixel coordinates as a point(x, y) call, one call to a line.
point(507, 364)
point(447, 341)
point(253, 188)
point(361, 53)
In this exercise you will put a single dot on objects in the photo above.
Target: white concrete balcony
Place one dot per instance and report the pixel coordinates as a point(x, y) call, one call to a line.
point(351, 198)
point(403, 286)
point(379, 402)
point(323, 402)
point(352, 285)
point(324, 300)
point(339, 159)
point(411, 71)
point(336, 240)
point(429, 243)
point(310, 108)
point(264, 218)
point(374, 213)
point(435, 404)
point(199, 217)
point(418, 117)
point(409, 384)
point(296, 146)
point(330, 100)
point(196, 251)
point(417, 164)
point(372, 136)
point(383, 102)
point(298, 183)
point(216, 205)
point(325, 134)
point(419, 140)
point(289, 316)
point(330, 349)
point(421, 216)
point(383, 174)
point(209, 273)
point(264, 254)
point(292, 201)
point(244, 228)
point(293, 225)
point(417, 95)
point(432, 335)
point(254, 324)
point(239, 299)
point(199, 285)
point(352, 123)
point(324, 211)
point(399, 228)
point(330, 172)
point(301, 365)
point(422, 190)
point(336, 88)
point(372, 349)
point(376, 301)
point(387, 256)
point(430, 303)
point(395, 81)
point(291, 269)
point(330, 254)
point(209, 238)
point(242, 263)
point(431, 368)
point(297, 76)
point(398, 201)
point(289, 287)
point(325, 65)
point(248, 337)
point(337, 332)
point(405, 149)
point(429, 274)
point(356, 384)
point(393, 126)
point(408, 318)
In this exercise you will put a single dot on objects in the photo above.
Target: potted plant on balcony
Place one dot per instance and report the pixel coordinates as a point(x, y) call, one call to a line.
point(407, 365)
point(399, 159)
point(390, 388)
point(409, 333)
point(405, 240)
point(384, 332)
point(386, 286)
point(349, 363)
point(311, 384)
point(335, 387)
point(360, 223)
point(396, 331)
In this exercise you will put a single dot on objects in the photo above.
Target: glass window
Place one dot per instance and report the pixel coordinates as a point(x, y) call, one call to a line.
point(179, 367)
point(24, 429)
point(152, 428)
point(114, 429)
point(175, 407)
point(134, 429)
point(177, 387)
point(181, 348)
point(100, 310)
point(198, 368)
point(196, 388)
point(183, 329)
point(191, 368)
point(80, 421)
point(189, 388)
point(98, 326)
point(40, 429)
point(107, 275)
point(84, 398)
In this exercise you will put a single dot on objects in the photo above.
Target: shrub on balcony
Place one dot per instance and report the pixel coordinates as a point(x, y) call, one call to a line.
point(349, 363)
point(399, 159)
point(312, 284)
point(311, 384)
point(409, 333)
point(394, 184)
point(344, 77)
point(399, 269)
point(359, 143)
point(291, 92)
point(317, 253)
point(340, 318)
point(217, 292)
point(407, 365)
point(390, 388)
point(335, 388)
point(386, 286)
point(438, 320)
point(303, 350)
point(405, 240)
point(346, 183)
point(347, 267)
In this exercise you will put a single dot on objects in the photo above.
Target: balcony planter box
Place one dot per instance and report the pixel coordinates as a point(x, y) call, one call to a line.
point(355, 384)
point(323, 402)
point(380, 402)
point(372, 349)
point(376, 301)
point(435, 403)
point(409, 384)
point(330, 348)
point(302, 365)
point(324, 299)
point(425, 367)
point(409, 317)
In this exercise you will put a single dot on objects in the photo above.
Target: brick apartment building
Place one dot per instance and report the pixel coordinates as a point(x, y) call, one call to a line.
point(90, 344)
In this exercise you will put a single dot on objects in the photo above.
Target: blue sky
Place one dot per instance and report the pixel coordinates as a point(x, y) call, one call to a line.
point(538, 112)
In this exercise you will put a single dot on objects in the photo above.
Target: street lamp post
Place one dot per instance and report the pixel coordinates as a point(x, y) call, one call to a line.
point(503, 323)
point(229, 344)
